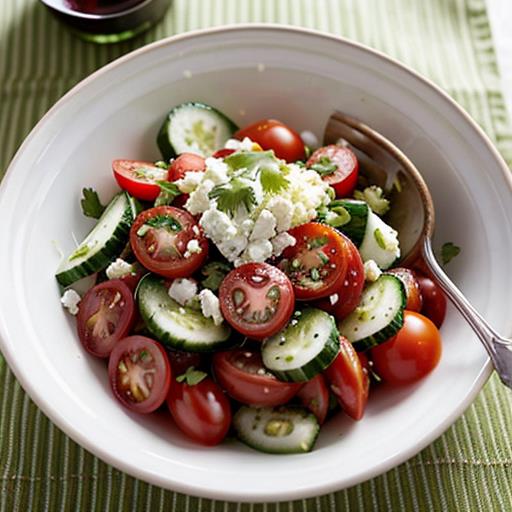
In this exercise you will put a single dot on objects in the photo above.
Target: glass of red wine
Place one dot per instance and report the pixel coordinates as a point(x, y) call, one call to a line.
point(108, 21)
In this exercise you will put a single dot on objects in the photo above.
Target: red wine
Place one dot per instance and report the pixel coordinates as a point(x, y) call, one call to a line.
point(101, 6)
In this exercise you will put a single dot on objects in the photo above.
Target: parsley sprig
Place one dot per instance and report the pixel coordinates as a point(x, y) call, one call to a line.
point(91, 204)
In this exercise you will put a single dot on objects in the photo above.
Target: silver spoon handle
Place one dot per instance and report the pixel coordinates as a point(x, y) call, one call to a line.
point(498, 348)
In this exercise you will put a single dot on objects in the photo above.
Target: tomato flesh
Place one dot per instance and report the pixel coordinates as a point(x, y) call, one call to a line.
point(275, 135)
point(105, 315)
point(139, 178)
point(186, 162)
point(140, 374)
point(256, 299)
point(410, 355)
point(314, 395)
point(201, 411)
point(338, 167)
point(159, 238)
point(242, 374)
point(317, 263)
point(348, 380)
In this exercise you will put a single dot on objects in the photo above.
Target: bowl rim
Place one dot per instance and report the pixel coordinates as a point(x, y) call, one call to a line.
point(189, 488)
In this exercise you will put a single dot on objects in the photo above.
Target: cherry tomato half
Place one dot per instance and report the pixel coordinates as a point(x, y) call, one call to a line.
point(338, 166)
point(200, 411)
point(256, 299)
point(139, 373)
point(434, 300)
point(348, 380)
point(272, 134)
point(186, 162)
point(159, 238)
point(412, 288)
point(242, 374)
point(314, 395)
point(223, 153)
point(105, 315)
point(411, 354)
point(139, 178)
point(317, 263)
point(346, 298)
point(349, 294)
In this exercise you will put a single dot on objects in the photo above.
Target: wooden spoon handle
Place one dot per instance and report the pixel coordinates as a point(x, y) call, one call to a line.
point(498, 348)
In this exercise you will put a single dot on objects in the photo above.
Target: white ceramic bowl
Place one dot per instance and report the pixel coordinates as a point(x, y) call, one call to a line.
point(249, 72)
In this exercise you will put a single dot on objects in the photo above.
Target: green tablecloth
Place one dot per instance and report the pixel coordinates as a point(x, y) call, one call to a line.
point(470, 466)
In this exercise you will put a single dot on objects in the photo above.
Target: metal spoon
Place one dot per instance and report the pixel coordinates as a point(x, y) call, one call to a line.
point(412, 215)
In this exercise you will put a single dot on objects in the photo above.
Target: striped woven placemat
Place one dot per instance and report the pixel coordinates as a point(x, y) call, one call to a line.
point(470, 466)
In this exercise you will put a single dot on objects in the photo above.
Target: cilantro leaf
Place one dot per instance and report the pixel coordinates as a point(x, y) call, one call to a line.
point(91, 204)
point(191, 377)
point(232, 196)
point(448, 252)
point(248, 159)
point(272, 180)
point(214, 273)
point(168, 193)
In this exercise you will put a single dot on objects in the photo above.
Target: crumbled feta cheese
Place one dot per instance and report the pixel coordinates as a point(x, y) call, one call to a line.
point(372, 271)
point(246, 227)
point(199, 200)
point(281, 242)
point(217, 225)
point(182, 311)
point(210, 306)
point(264, 227)
point(189, 182)
point(232, 248)
point(183, 290)
point(310, 139)
point(70, 300)
point(195, 230)
point(333, 299)
point(193, 247)
point(118, 269)
point(216, 171)
point(282, 209)
point(259, 251)
point(244, 145)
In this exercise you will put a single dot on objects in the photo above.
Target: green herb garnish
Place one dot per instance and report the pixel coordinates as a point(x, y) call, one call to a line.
point(448, 252)
point(272, 180)
point(324, 166)
point(161, 164)
point(91, 204)
point(379, 238)
point(191, 377)
point(315, 243)
point(214, 273)
point(164, 221)
point(168, 193)
point(81, 251)
point(233, 195)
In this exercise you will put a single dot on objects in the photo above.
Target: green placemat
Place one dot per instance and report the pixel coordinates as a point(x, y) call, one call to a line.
point(470, 466)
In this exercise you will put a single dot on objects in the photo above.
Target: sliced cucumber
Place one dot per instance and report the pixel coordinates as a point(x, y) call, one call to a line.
point(194, 128)
point(106, 241)
point(379, 316)
point(179, 327)
point(304, 348)
point(380, 242)
point(356, 228)
point(276, 430)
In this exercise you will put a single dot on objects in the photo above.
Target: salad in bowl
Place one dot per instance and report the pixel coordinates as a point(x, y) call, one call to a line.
point(249, 283)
